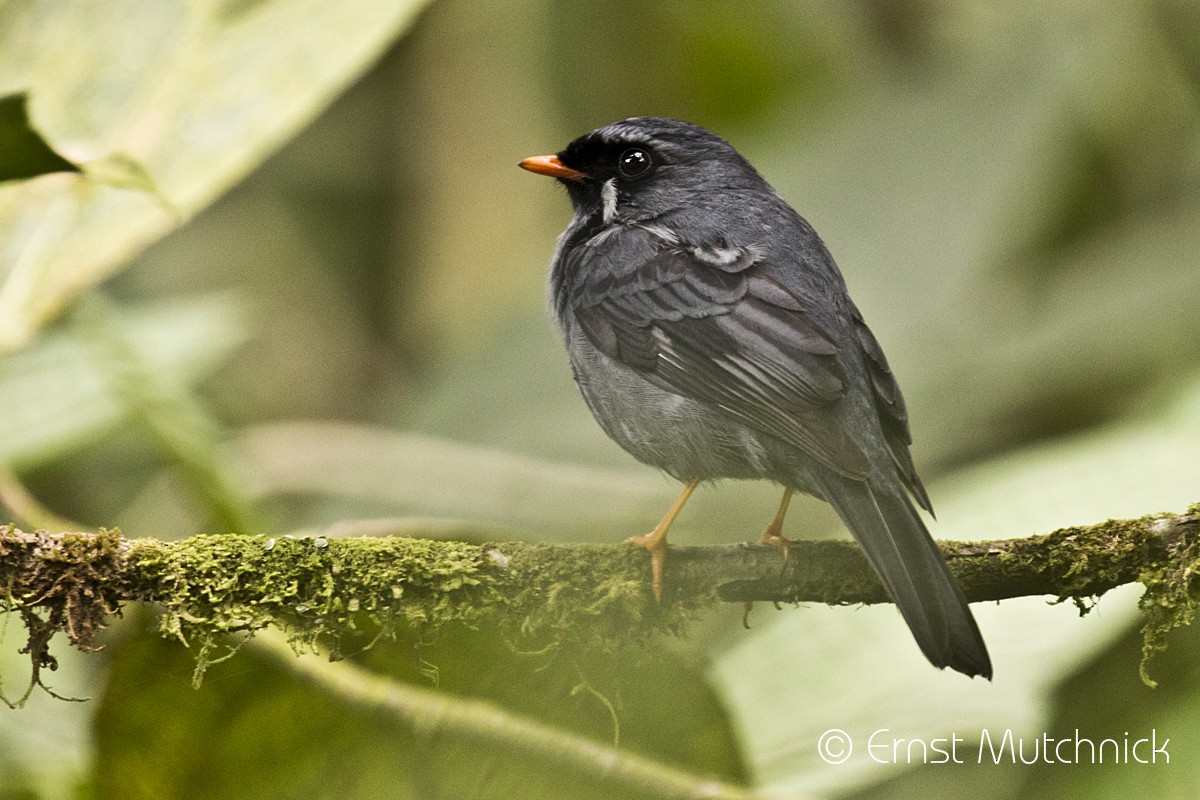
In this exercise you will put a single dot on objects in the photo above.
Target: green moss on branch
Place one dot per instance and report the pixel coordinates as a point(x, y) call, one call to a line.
point(541, 595)
point(329, 590)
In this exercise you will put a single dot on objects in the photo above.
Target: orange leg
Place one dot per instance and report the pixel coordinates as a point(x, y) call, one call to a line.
point(656, 540)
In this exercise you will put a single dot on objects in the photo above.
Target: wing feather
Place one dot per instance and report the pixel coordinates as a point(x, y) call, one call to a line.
point(712, 327)
point(893, 415)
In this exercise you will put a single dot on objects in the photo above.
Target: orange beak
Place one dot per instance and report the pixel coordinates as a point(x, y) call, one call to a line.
point(550, 165)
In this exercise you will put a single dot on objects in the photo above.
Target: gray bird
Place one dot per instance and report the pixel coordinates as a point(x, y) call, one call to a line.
point(712, 336)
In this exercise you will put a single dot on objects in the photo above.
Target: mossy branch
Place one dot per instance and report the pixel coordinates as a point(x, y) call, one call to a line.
point(325, 590)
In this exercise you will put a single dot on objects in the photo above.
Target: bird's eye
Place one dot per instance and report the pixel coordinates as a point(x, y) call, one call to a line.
point(634, 163)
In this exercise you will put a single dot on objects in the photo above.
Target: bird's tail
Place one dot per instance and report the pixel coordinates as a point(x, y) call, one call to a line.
point(914, 573)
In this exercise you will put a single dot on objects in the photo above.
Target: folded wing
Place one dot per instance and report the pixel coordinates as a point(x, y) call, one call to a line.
point(706, 322)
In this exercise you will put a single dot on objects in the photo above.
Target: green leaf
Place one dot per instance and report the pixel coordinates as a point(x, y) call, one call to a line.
point(168, 113)
point(23, 152)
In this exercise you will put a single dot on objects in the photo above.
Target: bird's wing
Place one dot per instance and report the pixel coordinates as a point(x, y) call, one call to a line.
point(893, 415)
point(708, 323)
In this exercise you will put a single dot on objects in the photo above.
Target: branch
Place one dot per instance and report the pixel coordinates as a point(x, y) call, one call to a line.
point(543, 595)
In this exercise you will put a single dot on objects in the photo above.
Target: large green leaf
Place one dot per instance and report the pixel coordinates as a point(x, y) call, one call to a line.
point(166, 104)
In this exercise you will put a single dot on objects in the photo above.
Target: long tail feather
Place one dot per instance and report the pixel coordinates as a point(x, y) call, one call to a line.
point(914, 572)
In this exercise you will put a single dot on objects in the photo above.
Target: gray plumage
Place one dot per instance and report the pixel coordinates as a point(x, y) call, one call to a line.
point(712, 336)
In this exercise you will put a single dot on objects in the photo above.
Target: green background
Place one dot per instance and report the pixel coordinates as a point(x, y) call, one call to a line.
point(300, 280)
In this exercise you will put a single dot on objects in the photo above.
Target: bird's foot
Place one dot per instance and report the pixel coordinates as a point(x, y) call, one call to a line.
point(655, 543)
point(772, 537)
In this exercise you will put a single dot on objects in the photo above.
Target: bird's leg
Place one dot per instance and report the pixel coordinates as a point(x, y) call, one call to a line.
point(773, 533)
point(656, 540)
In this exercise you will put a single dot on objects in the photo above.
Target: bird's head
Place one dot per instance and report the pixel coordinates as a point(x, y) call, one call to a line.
point(644, 167)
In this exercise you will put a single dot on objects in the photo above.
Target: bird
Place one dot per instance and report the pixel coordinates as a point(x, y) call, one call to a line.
point(712, 336)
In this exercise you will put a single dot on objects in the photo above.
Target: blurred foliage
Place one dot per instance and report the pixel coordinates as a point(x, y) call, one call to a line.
point(327, 752)
point(356, 329)
point(708, 60)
